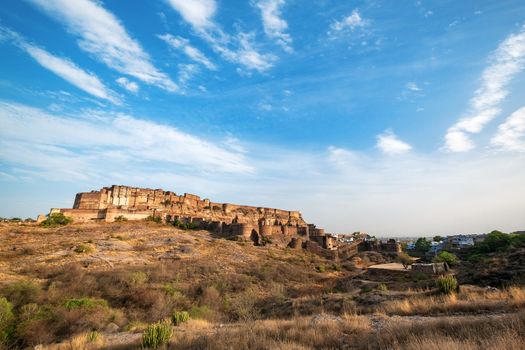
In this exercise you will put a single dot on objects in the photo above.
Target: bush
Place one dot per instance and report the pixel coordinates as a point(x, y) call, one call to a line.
point(88, 303)
point(6, 320)
point(56, 219)
point(199, 312)
point(121, 218)
point(156, 335)
point(405, 259)
point(83, 248)
point(320, 268)
point(382, 287)
point(447, 284)
point(447, 257)
point(93, 336)
point(180, 317)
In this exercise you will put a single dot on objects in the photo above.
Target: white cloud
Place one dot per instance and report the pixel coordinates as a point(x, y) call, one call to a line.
point(510, 135)
point(186, 72)
point(240, 48)
point(199, 13)
point(247, 55)
point(128, 84)
point(506, 62)
point(274, 25)
point(101, 34)
point(48, 142)
point(350, 22)
point(63, 67)
point(190, 51)
point(412, 86)
point(390, 144)
point(458, 141)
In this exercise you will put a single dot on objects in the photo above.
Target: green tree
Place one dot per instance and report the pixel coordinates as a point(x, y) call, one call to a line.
point(422, 244)
point(437, 238)
point(405, 259)
point(56, 219)
point(447, 257)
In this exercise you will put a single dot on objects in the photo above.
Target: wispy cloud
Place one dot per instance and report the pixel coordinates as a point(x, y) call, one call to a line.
point(192, 52)
point(350, 22)
point(390, 144)
point(412, 86)
point(62, 67)
point(240, 48)
point(101, 34)
point(507, 61)
point(128, 84)
point(186, 72)
point(511, 134)
point(274, 25)
point(34, 139)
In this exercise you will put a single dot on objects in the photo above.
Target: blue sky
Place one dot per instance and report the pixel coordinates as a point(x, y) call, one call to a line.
point(401, 117)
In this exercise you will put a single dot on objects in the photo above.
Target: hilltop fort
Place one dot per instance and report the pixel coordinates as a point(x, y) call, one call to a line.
point(132, 203)
point(258, 224)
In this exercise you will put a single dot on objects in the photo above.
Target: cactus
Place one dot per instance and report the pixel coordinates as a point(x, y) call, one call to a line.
point(180, 317)
point(447, 284)
point(156, 335)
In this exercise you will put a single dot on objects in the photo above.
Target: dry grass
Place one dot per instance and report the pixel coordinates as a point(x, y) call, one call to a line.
point(82, 341)
point(469, 300)
point(503, 332)
point(300, 333)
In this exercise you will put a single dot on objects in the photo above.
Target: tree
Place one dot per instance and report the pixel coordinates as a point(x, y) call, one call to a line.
point(447, 257)
point(422, 245)
point(56, 219)
point(405, 259)
point(438, 238)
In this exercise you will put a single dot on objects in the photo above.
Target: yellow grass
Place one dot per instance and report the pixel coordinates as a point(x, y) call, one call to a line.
point(468, 300)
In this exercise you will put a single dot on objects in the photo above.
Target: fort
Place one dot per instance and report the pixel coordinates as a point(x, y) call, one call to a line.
point(132, 203)
point(257, 224)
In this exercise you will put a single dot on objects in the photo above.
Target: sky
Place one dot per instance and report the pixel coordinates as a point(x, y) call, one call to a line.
point(393, 118)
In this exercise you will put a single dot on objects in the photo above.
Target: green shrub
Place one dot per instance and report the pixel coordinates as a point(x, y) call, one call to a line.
point(199, 312)
point(320, 268)
point(156, 335)
point(56, 219)
point(447, 257)
point(84, 248)
point(121, 218)
point(382, 287)
point(336, 267)
point(87, 303)
point(180, 317)
point(92, 337)
point(6, 320)
point(447, 284)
